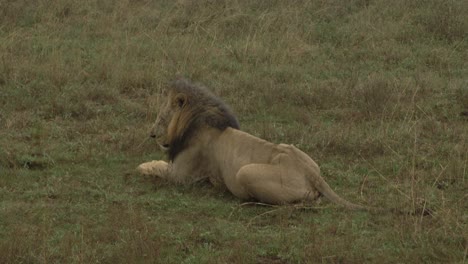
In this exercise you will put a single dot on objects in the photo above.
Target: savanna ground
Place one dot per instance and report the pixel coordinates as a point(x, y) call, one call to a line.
point(375, 91)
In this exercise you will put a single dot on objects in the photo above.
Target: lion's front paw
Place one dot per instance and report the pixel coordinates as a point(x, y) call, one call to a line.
point(156, 168)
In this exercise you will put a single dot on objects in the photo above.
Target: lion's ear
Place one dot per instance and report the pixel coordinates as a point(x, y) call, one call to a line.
point(180, 100)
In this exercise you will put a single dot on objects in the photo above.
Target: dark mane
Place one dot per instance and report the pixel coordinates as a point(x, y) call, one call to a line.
point(203, 109)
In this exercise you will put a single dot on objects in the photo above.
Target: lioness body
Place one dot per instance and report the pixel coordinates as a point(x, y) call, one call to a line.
point(248, 166)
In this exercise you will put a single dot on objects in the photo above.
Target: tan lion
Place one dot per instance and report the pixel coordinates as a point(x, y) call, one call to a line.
point(203, 141)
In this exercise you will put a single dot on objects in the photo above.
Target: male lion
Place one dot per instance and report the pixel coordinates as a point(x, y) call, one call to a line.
point(203, 141)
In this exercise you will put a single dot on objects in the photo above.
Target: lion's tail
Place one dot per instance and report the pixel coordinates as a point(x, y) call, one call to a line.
point(319, 183)
point(323, 187)
point(328, 192)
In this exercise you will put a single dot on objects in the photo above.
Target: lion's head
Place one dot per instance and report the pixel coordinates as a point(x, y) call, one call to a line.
point(186, 109)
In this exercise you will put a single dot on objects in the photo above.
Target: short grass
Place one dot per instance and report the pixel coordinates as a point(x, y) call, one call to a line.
point(375, 91)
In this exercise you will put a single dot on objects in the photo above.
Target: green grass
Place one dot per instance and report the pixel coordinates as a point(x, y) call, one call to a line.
point(375, 91)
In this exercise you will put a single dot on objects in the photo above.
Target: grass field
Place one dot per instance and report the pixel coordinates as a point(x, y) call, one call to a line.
point(375, 91)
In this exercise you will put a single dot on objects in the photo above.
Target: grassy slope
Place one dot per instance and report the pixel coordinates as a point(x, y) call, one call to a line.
point(373, 90)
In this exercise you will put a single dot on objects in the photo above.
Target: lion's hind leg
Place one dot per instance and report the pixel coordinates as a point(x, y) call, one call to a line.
point(275, 184)
point(157, 168)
